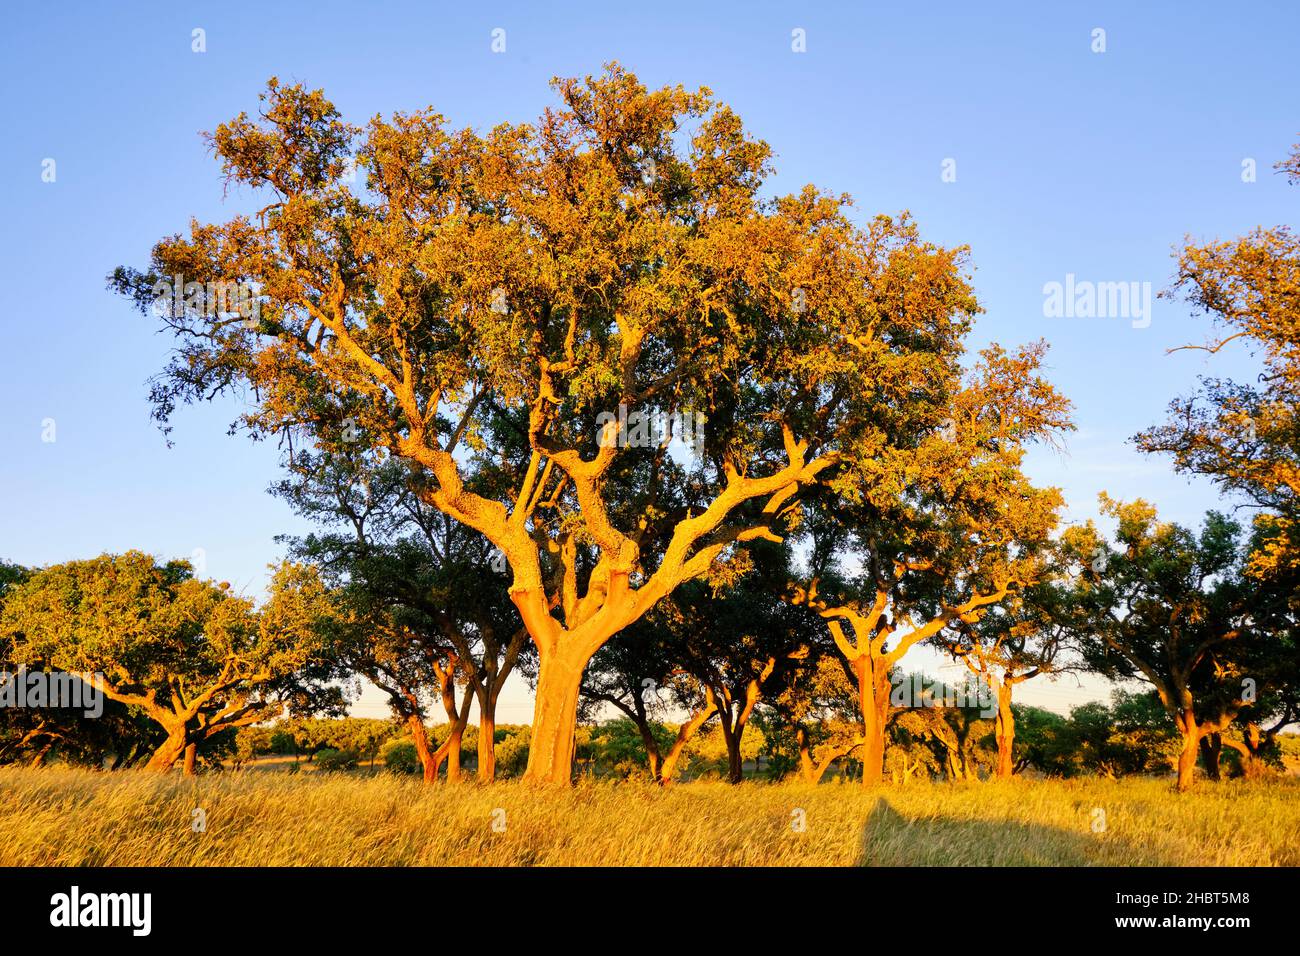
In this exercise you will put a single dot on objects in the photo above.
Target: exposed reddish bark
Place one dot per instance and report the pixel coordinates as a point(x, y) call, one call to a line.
point(487, 747)
point(1188, 727)
point(169, 751)
point(555, 719)
point(873, 700)
point(1004, 731)
point(814, 771)
point(39, 757)
point(420, 737)
point(871, 658)
point(733, 715)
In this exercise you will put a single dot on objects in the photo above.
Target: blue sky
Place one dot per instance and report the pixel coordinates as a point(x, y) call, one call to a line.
point(1067, 162)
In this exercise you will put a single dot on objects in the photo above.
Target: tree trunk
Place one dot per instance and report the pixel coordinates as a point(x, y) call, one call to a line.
point(191, 758)
point(1256, 741)
point(1004, 729)
point(1256, 744)
point(1187, 758)
point(168, 752)
point(731, 736)
point(1211, 747)
point(668, 768)
point(457, 732)
point(457, 720)
point(40, 755)
point(910, 769)
point(487, 734)
point(873, 698)
point(806, 767)
point(653, 758)
point(813, 772)
point(420, 737)
point(954, 766)
point(555, 718)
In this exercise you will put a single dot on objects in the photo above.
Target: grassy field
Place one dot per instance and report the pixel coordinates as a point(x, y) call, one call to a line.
point(56, 816)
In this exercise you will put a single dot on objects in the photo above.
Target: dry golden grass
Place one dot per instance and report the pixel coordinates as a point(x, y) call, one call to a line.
point(57, 816)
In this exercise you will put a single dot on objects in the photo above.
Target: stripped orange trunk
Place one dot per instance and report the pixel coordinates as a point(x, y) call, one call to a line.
point(555, 718)
point(873, 698)
point(1191, 732)
point(453, 751)
point(420, 737)
point(171, 750)
point(1004, 730)
point(668, 766)
point(487, 745)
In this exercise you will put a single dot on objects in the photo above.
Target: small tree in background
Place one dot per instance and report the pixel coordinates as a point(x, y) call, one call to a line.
point(814, 722)
point(957, 530)
point(1016, 641)
point(416, 594)
point(1168, 606)
point(193, 657)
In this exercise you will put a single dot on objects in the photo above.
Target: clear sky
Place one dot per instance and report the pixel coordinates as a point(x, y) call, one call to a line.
point(1067, 161)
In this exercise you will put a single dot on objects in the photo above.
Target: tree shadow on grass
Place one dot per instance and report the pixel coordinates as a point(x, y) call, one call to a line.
point(892, 839)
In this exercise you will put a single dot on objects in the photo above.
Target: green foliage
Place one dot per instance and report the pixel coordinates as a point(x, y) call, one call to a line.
point(954, 741)
point(1245, 435)
point(1289, 747)
point(1045, 741)
point(489, 308)
point(328, 760)
point(1174, 607)
point(414, 603)
point(616, 747)
point(190, 655)
point(1131, 735)
point(118, 736)
point(252, 742)
point(365, 736)
point(11, 575)
point(707, 752)
point(512, 753)
point(399, 756)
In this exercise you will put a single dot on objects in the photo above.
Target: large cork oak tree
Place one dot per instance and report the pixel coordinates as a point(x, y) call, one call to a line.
point(490, 307)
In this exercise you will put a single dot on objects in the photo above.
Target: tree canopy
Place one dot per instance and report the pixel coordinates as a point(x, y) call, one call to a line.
point(193, 657)
point(490, 308)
